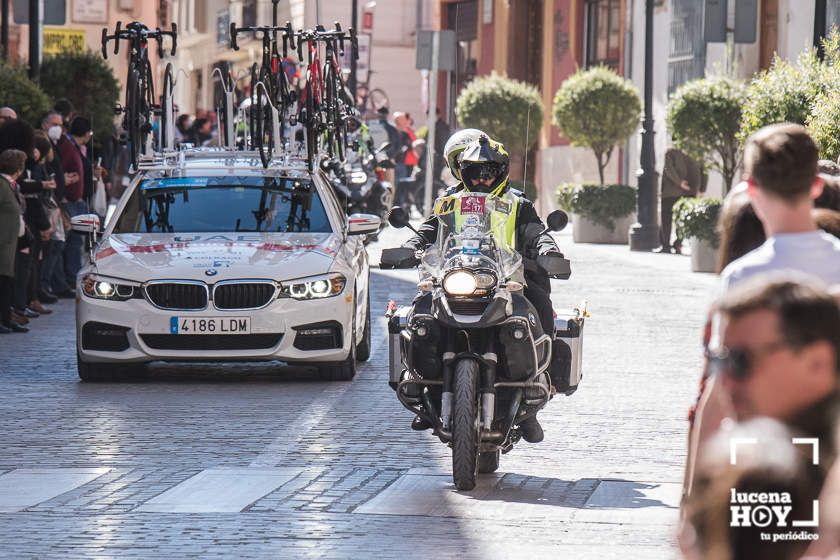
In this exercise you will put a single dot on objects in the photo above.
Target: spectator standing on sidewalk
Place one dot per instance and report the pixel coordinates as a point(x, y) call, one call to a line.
point(442, 134)
point(7, 114)
point(12, 163)
point(681, 177)
point(781, 166)
point(80, 179)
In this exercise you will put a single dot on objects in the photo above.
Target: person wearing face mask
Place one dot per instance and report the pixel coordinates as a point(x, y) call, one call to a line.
point(51, 124)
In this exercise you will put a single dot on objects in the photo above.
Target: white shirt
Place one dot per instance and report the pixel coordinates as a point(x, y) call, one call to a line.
point(815, 253)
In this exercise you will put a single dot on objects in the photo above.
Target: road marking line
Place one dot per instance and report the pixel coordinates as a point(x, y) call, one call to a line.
point(24, 488)
point(220, 490)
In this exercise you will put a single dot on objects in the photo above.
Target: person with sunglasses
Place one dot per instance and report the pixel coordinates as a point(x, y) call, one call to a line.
point(779, 357)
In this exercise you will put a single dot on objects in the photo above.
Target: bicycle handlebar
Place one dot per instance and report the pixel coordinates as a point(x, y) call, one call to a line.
point(136, 30)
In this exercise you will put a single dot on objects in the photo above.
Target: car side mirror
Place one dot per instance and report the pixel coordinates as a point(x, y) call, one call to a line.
point(85, 223)
point(398, 217)
point(557, 220)
point(362, 224)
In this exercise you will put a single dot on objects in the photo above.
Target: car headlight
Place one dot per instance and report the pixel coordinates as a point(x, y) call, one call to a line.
point(460, 283)
point(99, 287)
point(316, 287)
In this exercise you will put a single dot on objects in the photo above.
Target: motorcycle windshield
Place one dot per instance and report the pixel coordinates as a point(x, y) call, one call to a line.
point(475, 231)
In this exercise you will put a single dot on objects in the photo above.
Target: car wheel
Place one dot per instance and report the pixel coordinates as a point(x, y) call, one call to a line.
point(363, 348)
point(344, 370)
point(100, 372)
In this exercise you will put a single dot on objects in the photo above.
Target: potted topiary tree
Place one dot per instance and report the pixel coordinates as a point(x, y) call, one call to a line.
point(704, 119)
point(508, 110)
point(696, 221)
point(88, 82)
point(598, 109)
point(21, 94)
point(602, 213)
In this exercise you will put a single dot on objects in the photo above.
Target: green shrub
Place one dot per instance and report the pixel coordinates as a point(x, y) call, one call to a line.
point(21, 94)
point(500, 107)
point(704, 118)
point(698, 217)
point(824, 124)
point(602, 204)
point(88, 82)
point(597, 109)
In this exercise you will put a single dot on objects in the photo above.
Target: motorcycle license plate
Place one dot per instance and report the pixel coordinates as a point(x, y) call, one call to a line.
point(209, 325)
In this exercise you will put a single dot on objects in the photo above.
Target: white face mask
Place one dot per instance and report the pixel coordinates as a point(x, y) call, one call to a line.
point(54, 133)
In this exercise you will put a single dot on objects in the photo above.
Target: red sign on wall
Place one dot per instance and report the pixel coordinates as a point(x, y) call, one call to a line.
point(367, 21)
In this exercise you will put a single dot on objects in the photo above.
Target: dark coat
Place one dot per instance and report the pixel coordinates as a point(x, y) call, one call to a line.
point(678, 168)
point(9, 227)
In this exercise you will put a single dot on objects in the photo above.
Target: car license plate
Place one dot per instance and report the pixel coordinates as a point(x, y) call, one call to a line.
point(210, 325)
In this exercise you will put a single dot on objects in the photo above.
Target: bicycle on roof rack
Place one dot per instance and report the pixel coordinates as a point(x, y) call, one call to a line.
point(271, 103)
point(324, 103)
point(140, 106)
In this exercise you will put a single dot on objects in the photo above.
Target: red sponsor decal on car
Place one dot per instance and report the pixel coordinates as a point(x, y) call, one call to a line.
point(472, 205)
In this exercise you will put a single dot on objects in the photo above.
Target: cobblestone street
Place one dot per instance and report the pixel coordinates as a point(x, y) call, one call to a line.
point(246, 461)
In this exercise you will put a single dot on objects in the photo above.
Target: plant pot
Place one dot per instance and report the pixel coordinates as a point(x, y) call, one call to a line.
point(586, 231)
point(703, 256)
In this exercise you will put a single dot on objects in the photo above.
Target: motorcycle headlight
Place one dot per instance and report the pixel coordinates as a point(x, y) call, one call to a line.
point(460, 283)
point(316, 287)
point(99, 287)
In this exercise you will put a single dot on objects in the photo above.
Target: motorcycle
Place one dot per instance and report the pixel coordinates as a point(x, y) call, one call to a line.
point(364, 188)
point(470, 356)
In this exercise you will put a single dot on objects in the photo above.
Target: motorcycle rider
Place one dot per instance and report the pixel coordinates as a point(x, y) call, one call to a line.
point(482, 165)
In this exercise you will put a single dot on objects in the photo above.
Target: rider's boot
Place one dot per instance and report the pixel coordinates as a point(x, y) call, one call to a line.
point(419, 424)
point(531, 430)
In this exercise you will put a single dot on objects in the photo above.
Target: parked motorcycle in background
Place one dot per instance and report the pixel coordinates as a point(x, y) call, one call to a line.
point(470, 356)
point(363, 188)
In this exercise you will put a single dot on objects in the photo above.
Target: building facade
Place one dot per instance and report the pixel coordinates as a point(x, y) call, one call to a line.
point(545, 41)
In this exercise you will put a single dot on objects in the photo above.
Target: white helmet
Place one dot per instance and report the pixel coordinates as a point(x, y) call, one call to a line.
point(456, 144)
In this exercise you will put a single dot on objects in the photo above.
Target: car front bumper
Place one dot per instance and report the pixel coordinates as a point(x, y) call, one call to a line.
point(135, 331)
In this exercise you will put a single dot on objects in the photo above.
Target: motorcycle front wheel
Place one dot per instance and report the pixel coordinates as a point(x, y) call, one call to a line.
point(465, 425)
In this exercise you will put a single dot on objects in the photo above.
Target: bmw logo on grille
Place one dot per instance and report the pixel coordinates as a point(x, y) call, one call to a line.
point(211, 272)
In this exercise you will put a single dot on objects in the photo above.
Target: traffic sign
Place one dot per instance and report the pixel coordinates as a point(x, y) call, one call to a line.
point(446, 58)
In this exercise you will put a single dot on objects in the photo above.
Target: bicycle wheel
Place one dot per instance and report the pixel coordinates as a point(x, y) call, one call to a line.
point(131, 121)
point(265, 127)
point(148, 105)
point(252, 113)
point(223, 86)
point(166, 125)
point(311, 127)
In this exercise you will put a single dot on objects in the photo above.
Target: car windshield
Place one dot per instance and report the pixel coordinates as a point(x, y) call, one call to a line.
point(224, 204)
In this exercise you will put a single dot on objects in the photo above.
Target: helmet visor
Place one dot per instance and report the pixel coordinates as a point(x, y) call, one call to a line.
point(481, 177)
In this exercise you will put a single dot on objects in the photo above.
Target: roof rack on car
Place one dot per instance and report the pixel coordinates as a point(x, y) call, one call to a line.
point(172, 161)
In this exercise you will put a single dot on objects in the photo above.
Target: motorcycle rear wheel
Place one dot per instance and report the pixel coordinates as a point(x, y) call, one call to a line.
point(465, 425)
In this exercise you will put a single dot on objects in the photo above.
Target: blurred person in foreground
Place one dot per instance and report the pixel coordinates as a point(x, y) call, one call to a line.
point(780, 163)
point(715, 527)
point(779, 357)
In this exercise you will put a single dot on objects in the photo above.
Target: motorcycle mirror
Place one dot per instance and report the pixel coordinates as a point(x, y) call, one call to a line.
point(557, 220)
point(398, 217)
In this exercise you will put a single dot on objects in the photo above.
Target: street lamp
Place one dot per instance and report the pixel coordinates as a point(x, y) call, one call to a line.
point(644, 235)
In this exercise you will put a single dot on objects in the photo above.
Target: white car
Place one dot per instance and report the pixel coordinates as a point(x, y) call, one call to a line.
point(210, 257)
